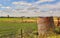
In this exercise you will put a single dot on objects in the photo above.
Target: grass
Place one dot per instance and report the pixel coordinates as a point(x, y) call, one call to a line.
point(7, 27)
point(13, 26)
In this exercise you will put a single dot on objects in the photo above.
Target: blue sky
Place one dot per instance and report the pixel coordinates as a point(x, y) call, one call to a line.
point(8, 7)
point(9, 2)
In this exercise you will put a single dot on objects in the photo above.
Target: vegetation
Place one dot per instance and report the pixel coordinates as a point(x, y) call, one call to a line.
point(11, 27)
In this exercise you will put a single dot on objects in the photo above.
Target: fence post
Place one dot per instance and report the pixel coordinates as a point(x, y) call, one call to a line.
point(21, 34)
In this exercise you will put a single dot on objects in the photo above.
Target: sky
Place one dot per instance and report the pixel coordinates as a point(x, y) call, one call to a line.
point(30, 8)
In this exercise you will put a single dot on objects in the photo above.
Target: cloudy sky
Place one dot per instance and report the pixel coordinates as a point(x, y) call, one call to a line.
point(30, 7)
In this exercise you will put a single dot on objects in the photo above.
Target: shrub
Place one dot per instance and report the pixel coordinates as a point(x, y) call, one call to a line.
point(57, 30)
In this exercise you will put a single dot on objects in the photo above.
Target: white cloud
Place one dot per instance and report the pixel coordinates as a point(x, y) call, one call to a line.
point(46, 0)
point(42, 1)
point(51, 6)
point(6, 7)
point(32, 9)
point(22, 3)
point(35, 8)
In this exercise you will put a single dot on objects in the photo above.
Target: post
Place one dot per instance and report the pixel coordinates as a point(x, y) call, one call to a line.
point(21, 34)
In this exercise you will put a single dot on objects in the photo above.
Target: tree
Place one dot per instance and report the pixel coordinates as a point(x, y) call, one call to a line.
point(44, 25)
point(8, 16)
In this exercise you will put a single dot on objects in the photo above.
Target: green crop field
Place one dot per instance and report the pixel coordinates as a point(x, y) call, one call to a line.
point(12, 26)
point(17, 28)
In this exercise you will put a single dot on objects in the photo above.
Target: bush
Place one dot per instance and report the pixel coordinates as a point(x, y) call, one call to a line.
point(57, 30)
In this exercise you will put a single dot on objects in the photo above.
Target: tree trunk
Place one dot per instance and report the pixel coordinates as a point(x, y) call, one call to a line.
point(44, 25)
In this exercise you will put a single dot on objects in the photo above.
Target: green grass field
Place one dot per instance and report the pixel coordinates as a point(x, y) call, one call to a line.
point(12, 27)
point(7, 27)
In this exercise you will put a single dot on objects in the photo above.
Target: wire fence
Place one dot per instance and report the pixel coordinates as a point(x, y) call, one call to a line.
point(20, 34)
